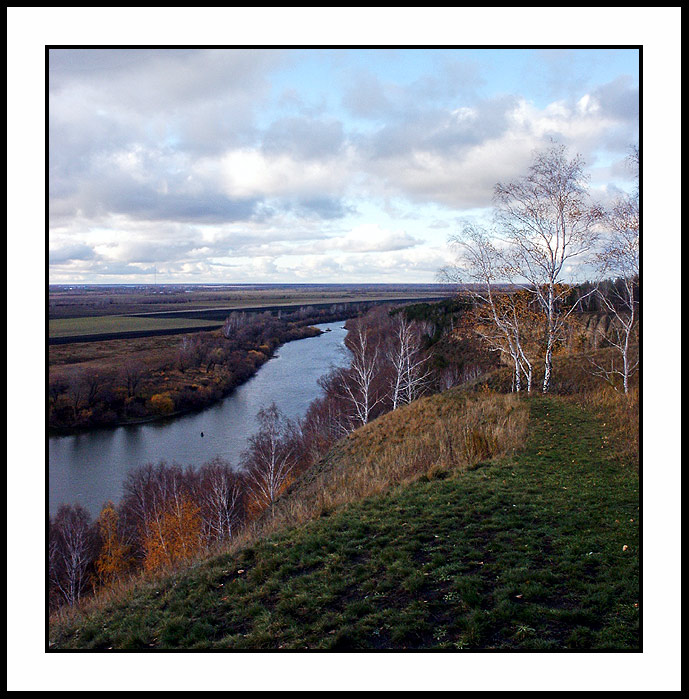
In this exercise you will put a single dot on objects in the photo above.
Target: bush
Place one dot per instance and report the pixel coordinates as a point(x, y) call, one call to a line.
point(162, 403)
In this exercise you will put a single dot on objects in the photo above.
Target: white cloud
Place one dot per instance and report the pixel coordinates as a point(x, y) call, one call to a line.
point(466, 178)
point(369, 237)
point(249, 172)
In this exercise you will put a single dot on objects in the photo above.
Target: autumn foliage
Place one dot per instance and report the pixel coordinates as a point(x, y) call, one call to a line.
point(173, 535)
point(113, 559)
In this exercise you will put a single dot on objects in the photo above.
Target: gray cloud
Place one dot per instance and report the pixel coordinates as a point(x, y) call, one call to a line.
point(452, 80)
point(619, 99)
point(164, 110)
point(167, 106)
point(112, 192)
point(148, 80)
point(197, 100)
point(304, 137)
point(65, 253)
point(322, 206)
point(150, 205)
point(367, 97)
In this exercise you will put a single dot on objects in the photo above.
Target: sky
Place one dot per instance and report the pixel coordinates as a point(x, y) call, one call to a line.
point(309, 165)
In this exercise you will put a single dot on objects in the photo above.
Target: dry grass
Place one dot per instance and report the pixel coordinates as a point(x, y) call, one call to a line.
point(104, 354)
point(432, 438)
point(574, 377)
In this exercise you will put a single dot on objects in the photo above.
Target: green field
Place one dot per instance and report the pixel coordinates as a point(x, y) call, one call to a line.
point(535, 551)
point(107, 325)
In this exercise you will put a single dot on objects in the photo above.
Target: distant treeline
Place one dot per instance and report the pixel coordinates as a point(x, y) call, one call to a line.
point(338, 311)
point(602, 296)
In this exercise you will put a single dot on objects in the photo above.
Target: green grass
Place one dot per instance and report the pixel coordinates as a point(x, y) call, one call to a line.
point(105, 325)
point(528, 553)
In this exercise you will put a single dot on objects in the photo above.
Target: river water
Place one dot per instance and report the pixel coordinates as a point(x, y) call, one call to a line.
point(89, 468)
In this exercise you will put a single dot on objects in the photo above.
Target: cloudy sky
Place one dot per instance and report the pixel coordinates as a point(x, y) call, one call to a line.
point(100, 117)
point(308, 165)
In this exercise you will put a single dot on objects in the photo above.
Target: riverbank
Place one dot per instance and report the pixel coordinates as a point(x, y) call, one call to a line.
point(90, 467)
point(128, 382)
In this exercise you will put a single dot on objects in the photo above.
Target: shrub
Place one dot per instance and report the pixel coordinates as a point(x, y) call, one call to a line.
point(162, 403)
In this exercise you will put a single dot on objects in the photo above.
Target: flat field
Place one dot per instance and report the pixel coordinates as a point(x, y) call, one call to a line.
point(79, 313)
point(108, 353)
point(79, 301)
point(109, 325)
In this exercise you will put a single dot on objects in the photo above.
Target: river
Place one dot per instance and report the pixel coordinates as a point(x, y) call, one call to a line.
point(89, 468)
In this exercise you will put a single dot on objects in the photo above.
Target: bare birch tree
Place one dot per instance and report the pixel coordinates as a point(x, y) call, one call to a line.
point(357, 383)
point(221, 500)
point(70, 551)
point(501, 320)
point(453, 375)
point(548, 221)
point(619, 260)
point(410, 365)
point(270, 457)
point(233, 323)
point(326, 420)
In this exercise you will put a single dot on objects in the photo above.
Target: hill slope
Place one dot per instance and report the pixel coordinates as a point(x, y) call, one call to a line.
point(535, 551)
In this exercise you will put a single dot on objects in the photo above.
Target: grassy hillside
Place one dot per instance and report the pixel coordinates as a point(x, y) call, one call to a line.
point(537, 550)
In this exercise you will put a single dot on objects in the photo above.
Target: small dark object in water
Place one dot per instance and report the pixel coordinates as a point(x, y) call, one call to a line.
point(202, 434)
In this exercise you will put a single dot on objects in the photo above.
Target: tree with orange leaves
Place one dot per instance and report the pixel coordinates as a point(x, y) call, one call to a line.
point(548, 224)
point(505, 318)
point(173, 534)
point(113, 558)
point(512, 323)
